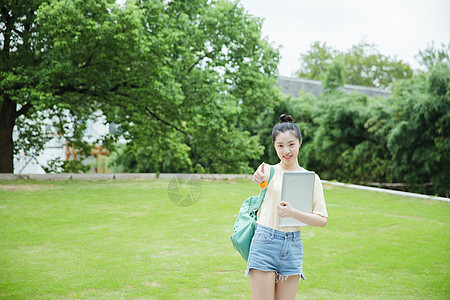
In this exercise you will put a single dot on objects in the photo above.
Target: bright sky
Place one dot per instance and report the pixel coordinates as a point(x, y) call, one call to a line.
point(398, 27)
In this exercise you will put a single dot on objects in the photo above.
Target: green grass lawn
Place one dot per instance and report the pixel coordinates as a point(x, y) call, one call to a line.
point(126, 239)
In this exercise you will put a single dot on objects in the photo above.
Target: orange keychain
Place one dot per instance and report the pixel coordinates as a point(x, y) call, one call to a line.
point(263, 184)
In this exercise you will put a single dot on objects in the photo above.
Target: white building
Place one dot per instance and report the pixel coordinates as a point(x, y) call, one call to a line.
point(58, 148)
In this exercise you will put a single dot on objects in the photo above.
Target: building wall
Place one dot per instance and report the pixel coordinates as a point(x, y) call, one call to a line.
point(292, 86)
point(56, 148)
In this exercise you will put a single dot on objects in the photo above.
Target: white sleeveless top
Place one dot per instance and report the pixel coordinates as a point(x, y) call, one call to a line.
point(267, 215)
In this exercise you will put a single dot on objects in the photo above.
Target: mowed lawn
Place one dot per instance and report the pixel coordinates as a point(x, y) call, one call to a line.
point(127, 240)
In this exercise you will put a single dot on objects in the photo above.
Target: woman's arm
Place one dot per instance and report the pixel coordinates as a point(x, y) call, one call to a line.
point(285, 210)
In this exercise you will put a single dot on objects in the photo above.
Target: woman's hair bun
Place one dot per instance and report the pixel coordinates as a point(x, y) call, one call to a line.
point(286, 118)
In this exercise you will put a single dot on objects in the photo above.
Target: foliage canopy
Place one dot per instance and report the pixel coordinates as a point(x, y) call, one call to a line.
point(402, 139)
point(364, 65)
point(181, 78)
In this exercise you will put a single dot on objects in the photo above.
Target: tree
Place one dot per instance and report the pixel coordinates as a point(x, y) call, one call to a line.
point(340, 121)
point(363, 63)
point(402, 139)
point(170, 73)
point(334, 76)
point(433, 56)
point(419, 140)
point(316, 60)
point(54, 66)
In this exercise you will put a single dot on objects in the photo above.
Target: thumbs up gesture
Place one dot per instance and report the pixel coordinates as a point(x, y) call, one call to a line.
point(259, 176)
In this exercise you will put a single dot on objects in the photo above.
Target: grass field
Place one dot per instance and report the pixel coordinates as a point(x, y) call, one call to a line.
point(127, 240)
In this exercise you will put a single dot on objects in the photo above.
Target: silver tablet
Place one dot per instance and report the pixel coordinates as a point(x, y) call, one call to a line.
point(298, 190)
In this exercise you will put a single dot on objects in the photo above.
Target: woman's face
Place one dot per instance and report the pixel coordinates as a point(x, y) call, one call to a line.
point(287, 146)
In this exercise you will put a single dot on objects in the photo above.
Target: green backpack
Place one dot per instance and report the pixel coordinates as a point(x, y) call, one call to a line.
point(245, 225)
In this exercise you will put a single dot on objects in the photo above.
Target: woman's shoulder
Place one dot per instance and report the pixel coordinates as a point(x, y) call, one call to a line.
point(269, 166)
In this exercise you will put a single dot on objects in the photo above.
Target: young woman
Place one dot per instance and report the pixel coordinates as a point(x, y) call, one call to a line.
point(274, 264)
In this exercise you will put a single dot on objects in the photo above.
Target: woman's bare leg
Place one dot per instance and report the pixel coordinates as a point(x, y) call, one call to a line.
point(262, 284)
point(287, 288)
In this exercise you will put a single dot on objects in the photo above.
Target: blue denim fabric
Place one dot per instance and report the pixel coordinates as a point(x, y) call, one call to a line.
point(278, 251)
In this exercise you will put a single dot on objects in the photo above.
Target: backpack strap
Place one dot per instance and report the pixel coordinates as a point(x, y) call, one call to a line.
point(272, 171)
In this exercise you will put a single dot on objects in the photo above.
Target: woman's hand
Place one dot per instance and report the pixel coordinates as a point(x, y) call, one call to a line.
point(285, 210)
point(259, 176)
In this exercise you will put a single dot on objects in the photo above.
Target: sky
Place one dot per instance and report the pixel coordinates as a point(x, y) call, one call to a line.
point(398, 28)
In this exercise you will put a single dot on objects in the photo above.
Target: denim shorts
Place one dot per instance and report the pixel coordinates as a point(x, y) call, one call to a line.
point(278, 251)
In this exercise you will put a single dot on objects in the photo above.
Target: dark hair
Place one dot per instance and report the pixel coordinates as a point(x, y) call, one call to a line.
point(286, 124)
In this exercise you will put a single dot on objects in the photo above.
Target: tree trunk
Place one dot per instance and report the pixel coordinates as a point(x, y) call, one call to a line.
point(7, 120)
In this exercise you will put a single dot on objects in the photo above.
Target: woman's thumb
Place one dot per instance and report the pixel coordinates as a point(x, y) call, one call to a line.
point(262, 167)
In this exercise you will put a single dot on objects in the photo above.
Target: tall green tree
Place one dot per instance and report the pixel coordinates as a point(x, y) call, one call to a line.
point(171, 73)
point(433, 56)
point(364, 65)
point(419, 140)
point(60, 61)
point(314, 62)
point(401, 139)
point(334, 76)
